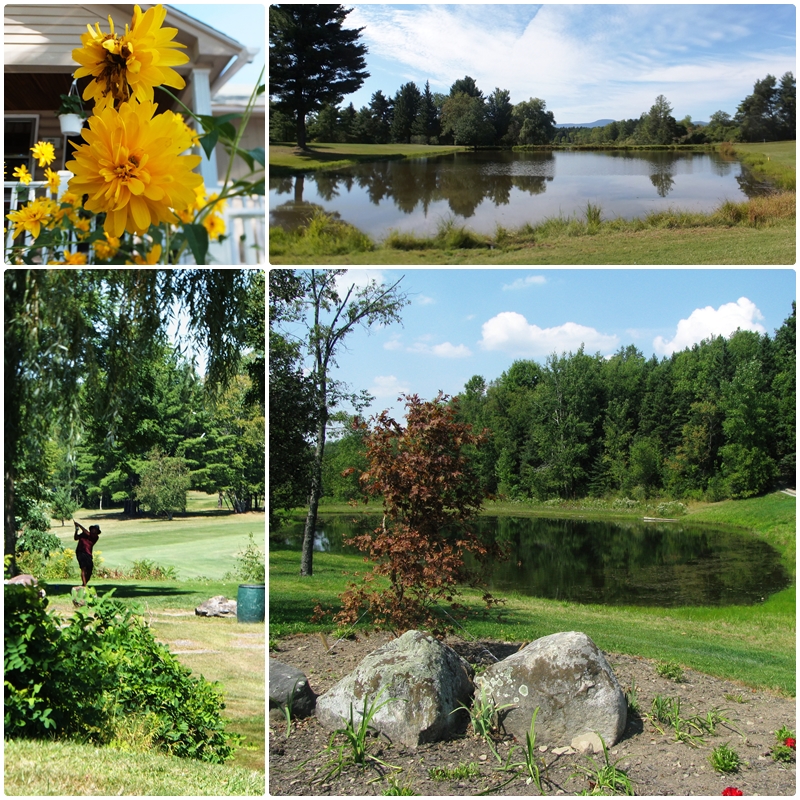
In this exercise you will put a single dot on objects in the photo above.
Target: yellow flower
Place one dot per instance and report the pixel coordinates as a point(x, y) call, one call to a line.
point(45, 152)
point(215, 226)
point(23, 174)
point(70, 198)
point(130, 64)
point(32, 216)
point(152, 256)
point(53, 179)
point(106, 249)
point(72, 258)
point(131, 168)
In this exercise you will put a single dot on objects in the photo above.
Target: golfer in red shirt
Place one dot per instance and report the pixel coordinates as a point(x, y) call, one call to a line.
point(83, 552)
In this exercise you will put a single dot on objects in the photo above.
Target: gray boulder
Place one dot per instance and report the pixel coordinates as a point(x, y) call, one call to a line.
point(217, 606)
point(571, 682)
point(289, 688)
point(424, 682)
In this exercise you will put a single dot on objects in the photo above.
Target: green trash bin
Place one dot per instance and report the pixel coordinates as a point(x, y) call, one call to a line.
point(250, 602)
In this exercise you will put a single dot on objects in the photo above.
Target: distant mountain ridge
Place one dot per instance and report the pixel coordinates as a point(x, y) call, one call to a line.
point(598, 123)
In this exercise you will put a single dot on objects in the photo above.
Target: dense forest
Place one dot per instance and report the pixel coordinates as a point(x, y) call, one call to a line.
point(466, 116)
point(138, 408)
point(710, 422)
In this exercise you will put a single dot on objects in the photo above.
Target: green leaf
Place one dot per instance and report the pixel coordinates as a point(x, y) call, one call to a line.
point(258, 187)
point(261, 89)
point(259, 155)
point(209, 142)
point(197, 239)
point(227, 130)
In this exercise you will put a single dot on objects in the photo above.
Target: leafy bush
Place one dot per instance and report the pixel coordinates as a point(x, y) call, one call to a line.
point(250, 566)
point(58, 566)
point(36, 541)
point(103, 667)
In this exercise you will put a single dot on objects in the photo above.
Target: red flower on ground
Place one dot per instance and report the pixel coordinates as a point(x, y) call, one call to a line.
point(789, 742)
point(731, 791)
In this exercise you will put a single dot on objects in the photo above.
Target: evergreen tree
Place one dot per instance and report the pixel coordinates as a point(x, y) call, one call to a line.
point(382, 111)
point(313, 59)
point(406, 107)
point(426, 125)
point(757, 114)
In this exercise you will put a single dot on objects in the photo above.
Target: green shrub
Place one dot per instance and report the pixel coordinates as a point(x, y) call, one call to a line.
point(149, 570)
point(250, 566)
point(82, 681)
point(36, 541)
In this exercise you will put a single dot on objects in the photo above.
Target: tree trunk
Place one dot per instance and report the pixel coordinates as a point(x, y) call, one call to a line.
point(10, 525)
point(306, 559)
point(301, 130)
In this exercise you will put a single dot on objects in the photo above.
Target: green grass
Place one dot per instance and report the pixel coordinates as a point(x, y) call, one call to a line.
point(203, 542)
point(286, 159)
point(775, 161)
point(751, 644)
point(220, 649)
point(67, 769)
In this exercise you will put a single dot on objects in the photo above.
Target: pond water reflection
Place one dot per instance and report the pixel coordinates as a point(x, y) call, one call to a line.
point(510, 188)
point(621, 563)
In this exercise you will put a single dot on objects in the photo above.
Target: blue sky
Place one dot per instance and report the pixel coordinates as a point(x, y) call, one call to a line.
point(465, 322)
point(586, 61)
point(244, 22)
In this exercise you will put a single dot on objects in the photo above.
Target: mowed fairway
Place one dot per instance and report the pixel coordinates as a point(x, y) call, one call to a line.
point(201, 543)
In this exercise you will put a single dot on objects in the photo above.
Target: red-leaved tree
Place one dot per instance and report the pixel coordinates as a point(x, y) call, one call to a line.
point(431, 493)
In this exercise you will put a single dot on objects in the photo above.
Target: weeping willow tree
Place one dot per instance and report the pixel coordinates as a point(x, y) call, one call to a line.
point(55, 321)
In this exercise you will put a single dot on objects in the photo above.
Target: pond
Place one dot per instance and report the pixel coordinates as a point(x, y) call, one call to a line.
point(509, 188)
point(621, 563)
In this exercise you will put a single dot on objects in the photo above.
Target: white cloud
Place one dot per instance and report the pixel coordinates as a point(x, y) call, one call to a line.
point(524, 283)
point(444, 350)
point(425, 301)
point(388, 386)
point(704, 323)
point(612, 59)
point(510, 332)
point(360, 278)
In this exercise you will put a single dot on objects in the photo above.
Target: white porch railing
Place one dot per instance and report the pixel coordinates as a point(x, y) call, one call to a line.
point(245, 225)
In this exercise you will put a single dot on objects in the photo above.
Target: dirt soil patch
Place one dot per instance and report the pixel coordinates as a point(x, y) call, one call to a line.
point(655, 763)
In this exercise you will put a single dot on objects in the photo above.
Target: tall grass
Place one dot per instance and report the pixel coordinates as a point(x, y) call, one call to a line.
point(322, 235)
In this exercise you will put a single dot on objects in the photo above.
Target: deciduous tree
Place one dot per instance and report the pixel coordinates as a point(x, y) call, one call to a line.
point(430, 494)
point(330, 313)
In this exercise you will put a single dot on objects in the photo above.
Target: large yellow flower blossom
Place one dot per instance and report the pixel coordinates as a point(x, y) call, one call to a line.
point(130, 64)
point(22, 174)
point(152, 257)
point(32, 216)
point(72, 258)
point(45, 152)
point(132, 169)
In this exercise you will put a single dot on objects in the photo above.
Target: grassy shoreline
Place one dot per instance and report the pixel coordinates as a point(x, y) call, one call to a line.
point(286, 159)
point(754, 645)
point(757, 231)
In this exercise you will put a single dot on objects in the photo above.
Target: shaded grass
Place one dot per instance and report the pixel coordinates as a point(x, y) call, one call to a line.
point(751, 644)
point(68, 769)
point(775, 162)
point(286, 159)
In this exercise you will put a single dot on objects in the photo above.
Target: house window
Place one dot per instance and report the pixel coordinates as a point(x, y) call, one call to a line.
point(19, 137)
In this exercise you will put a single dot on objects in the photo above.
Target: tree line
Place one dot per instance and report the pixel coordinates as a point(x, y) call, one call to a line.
point(101, 411)
point(315, 62)
point(710, 422)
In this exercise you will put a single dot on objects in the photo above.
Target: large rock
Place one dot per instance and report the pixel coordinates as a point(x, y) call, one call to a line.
point(289, 688)
point(424, 680)
point(217, 606)
point(571, 682)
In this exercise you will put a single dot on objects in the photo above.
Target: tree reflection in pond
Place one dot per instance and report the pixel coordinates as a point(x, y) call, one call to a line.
point(511, 188)
point(622, 563)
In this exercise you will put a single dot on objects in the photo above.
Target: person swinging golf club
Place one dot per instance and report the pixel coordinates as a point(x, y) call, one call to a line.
point(83, 552)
